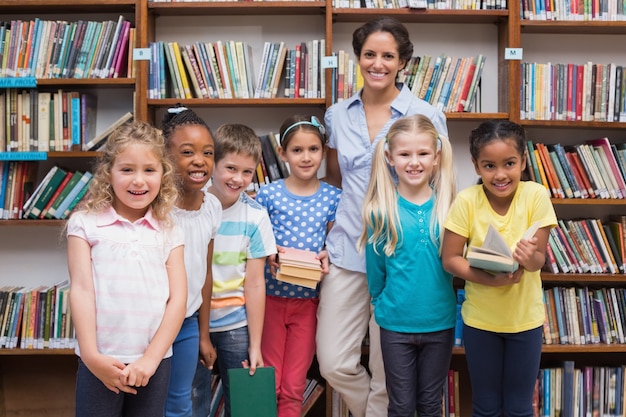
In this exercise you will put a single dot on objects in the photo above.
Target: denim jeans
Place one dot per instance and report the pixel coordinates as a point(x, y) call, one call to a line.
point(184, 360)
point(232, 349)
point(93, 399)
point(503, 368)
point(416, 367)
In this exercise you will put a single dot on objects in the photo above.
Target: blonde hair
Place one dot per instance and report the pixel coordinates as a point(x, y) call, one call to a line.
point(380, 208)
point(101, 195)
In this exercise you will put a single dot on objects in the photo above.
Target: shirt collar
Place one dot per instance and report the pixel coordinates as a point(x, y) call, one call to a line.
point(109, 216)
point(400, 104)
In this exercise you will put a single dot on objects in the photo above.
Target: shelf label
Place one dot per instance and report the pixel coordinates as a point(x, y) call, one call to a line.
point(141, 54)
point(18, 82)
point(514, 54)
point(329, 62)
point(23, 156)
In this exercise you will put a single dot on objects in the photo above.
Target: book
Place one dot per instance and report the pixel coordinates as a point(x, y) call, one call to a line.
point(54, 205)
point(60, 211)
point(47, 191)
point(100, 138)
point(252, 395)
point(494, 255)
point(299, 267)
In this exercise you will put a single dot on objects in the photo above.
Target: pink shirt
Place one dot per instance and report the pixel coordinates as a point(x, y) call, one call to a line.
point(129, 276)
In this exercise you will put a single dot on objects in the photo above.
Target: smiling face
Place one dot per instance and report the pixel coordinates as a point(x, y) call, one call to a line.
point(500, 165)
point(380, 61)
point(232, 175)
point(191, 148)
point(304, 154)
point(136, 180)
point(414, 157)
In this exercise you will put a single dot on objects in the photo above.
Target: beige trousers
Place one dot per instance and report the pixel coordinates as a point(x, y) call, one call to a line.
point(343, 317)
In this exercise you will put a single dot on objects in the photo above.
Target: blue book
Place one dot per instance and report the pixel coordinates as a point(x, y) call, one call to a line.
point(458, 328)
point(75, 119)
point(546, 393)
point(32, 60)
point(567, 408)
point(4, 166)
point(560, 310)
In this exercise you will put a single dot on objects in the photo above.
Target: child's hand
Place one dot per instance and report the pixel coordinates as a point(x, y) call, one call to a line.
point(110, 371)
point(138, 374)
point(323, 257)
point(525, 250)
point(507, 278)
point(256, 361)
point(272, 261)
point(208, 355)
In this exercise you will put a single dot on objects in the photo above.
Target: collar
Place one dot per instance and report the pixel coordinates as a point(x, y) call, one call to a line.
point(400, 104)
point(109, 216)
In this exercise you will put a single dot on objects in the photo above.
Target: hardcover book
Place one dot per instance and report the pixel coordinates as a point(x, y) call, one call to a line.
point(494, 255)
point(252, 395)
point(299, 267)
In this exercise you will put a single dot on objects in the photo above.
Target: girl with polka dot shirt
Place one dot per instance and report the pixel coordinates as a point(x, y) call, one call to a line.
point(302, 210)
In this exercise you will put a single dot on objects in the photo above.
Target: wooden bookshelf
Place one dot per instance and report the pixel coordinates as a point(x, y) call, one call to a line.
point(40, 382)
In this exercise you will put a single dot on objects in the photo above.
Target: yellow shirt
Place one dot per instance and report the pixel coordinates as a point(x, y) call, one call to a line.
point(513, 308)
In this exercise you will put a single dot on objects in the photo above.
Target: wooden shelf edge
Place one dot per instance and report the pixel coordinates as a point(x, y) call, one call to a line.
point(573, 27)
point(237, 102)
point(583, 278)
point(588, 201)
point(66, 6)
point(92, 82)
point(570, 124)
point(32, 222)
point(36, 352)
point(237, 8)
point(595, 348)
point(423, 15)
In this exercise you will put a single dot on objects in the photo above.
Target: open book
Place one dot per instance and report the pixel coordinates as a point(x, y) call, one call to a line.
point(299, 267)
point(495, 255)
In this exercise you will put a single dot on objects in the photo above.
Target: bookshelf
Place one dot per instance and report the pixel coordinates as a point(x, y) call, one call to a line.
point(433, 31)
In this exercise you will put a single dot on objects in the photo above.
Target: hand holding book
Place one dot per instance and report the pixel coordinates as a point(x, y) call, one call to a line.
point(494, 255)
point(300, 267)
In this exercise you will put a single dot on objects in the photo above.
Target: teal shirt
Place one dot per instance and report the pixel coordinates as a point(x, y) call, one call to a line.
point(410, 290)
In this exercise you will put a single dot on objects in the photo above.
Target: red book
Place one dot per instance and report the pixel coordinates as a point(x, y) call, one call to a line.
point(593, 242)
point(605, 146)
point(467, 82)
point(580, 79)
point(585, 189)
point(570, 110)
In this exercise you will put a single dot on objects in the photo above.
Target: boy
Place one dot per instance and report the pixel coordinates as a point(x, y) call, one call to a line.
point(243, 242)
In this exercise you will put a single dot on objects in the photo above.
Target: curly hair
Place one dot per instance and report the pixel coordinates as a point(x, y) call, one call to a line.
point(101, 195)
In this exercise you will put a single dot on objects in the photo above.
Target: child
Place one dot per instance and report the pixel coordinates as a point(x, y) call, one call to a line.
point(503, 313)
point(302, 210)
point(198, 213)
point(416, 312)
point(128, 285)
point(243, 242)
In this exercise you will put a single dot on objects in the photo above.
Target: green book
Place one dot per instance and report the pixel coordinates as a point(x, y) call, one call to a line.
point(47, 192)
point(76, 176)
point(252, 395)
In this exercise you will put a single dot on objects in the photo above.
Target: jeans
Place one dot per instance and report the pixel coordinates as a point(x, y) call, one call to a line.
point(232, 349)
point(93, 399)
point(503, 368)
point(184, 360)
point(416, 367)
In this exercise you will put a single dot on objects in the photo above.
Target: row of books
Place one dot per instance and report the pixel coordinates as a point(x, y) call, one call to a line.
point(61, 49)
point(584, 316)
point(581, 92)
point(33, 120)
point(585, 10)
point(54, 197)
point(423, 4)
point(448, 83)
point(586, 246)
point(567, 391)
point(594, 169)
point(36, 318)
point(224, 69)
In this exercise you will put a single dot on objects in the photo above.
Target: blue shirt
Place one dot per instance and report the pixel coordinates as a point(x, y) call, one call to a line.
point(411, 292)
point(298, 222)
point(347, 129)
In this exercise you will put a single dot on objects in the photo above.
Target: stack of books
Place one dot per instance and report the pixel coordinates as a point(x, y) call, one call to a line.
point(299, 267)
